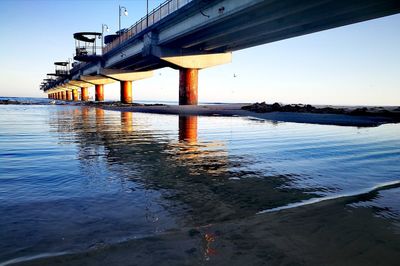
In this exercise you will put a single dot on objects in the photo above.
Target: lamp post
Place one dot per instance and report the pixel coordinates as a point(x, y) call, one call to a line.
point(120, 14)
point(147, 13)
point(103, 27)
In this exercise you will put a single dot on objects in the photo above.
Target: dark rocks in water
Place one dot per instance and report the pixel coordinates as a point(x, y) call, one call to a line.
point(117, 104)
point(359, 111)
point(300, 108)
point(9, 102)
point(5, 102)
point(276, 107)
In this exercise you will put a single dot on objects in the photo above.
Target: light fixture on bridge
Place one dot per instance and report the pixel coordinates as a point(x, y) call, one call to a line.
point(106, 28)
point(125, 12)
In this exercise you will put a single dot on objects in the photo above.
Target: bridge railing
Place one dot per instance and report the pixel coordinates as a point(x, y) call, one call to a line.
point(154, 16)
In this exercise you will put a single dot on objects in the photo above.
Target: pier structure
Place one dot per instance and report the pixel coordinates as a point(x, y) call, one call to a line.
point(190, 35)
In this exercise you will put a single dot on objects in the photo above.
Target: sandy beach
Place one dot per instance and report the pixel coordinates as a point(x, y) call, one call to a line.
point(236, 110)
point(338, 115)
point(298, 236)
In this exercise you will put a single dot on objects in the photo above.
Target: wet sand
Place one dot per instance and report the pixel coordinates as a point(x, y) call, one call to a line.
point(330, 232)
point(236, 110)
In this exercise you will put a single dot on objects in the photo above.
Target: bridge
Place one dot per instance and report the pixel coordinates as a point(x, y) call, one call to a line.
point(190, 35)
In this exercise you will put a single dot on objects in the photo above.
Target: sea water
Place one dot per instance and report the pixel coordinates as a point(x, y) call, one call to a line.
point(75, 178)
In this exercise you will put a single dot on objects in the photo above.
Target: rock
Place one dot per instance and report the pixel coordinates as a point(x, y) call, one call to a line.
point(193, 232)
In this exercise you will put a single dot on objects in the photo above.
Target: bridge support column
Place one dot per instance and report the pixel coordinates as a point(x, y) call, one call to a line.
point(84, 94)
point(69, 95)
point(126, 91)
point(188, 86)
point(59, 95)
point(63, 95)
point(74, 95)
point(99, 96)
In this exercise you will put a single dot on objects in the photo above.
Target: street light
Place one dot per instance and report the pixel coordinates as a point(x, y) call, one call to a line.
point(120, 14)
point(147, 13)
point(103, 27)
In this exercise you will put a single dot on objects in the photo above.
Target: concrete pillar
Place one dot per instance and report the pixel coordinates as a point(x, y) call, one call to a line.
point(99, 96)
point(84, 94)
point(126, 91)
point(188, 128)
point(69, 95)
point(188, 86)
point(59, 95)
point(75, 95)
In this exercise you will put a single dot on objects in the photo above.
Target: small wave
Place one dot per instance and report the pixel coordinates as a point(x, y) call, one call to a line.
point(28, 258)
point(382, 186)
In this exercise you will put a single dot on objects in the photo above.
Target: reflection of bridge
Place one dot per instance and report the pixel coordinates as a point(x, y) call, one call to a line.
point(185, 168)
point(194, 34)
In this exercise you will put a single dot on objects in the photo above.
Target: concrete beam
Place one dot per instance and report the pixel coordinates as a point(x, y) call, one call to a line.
point(125, 75)
point(199, 61)
point(79, 83)
point(97, 80)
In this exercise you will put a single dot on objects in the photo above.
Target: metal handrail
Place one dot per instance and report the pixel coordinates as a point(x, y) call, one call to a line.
point(163, 10)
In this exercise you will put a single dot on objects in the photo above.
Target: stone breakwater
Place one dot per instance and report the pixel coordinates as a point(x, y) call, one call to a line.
point(392, 112)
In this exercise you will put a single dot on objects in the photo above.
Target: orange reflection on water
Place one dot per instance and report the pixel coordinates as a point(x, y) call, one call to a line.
point(127, 121)
point(99, 117)
point(188, 128)
point(209, 239)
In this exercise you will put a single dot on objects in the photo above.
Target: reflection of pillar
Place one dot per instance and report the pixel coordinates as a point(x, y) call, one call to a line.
point(126, 91)
point(188, 86)
point(126, 121)
point(84, 94)
point(85, 115)
point(99, 117)
point(69, 95)
point(188, 128)
point(99, 96)
point(75, 95)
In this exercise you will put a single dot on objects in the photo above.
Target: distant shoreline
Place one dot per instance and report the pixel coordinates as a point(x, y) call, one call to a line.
point(236, 110)
point(348, 116)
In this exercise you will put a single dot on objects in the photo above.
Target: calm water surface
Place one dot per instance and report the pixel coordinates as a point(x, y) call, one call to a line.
point(75, 178)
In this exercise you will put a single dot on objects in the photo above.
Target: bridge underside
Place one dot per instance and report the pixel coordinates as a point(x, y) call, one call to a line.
point(270, 21)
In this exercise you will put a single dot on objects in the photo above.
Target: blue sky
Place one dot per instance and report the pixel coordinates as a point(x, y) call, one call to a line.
point(354, 65)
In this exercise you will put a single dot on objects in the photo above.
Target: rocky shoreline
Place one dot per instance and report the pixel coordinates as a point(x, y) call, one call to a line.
point(307, 108)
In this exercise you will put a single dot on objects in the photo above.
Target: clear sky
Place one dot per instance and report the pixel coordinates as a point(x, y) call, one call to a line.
point(354, 65)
